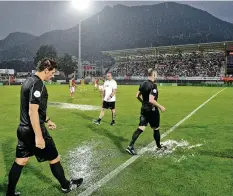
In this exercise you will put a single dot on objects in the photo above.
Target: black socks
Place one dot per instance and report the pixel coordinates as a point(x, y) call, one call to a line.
point(135, 137)
point(59, 174)
point(13, 178)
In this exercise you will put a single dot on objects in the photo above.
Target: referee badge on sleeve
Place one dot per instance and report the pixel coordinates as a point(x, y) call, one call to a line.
point(37, 94)
point(154, 91)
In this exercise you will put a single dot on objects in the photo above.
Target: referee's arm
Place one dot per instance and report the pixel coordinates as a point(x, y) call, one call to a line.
point(34, 118)
point(139, 96)
point(34, 101)
point(155, 103)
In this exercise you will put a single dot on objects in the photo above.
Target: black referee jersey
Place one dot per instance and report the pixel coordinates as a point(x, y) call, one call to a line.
point(148, 88)
point(33, 91)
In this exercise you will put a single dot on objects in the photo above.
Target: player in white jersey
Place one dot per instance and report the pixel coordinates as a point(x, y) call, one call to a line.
point(109, 99)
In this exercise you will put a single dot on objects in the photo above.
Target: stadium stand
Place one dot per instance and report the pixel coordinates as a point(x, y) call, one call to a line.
point(193, 60)
point(187, 67)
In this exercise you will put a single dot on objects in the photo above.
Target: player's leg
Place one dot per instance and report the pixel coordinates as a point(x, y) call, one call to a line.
point(104, 106)
point(113, 117)
point(157, 136)
point(59, 174)
point(50, 153)
point(23, 151)
point(142, 125)
point(113, 113)
point(14, 175)
point(154, 121)
point(100, 116)
point(71, 92)
point(157, 139)
point(95, 86)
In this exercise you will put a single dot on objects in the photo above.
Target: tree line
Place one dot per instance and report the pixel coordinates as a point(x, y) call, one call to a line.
point(64, 63)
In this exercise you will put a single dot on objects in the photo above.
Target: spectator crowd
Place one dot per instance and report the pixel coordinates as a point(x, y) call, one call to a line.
point(191, 66)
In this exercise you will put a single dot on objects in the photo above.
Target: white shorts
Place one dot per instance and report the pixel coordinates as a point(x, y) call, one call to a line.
point(101, 87)
point(96, 85)
point(72, 89)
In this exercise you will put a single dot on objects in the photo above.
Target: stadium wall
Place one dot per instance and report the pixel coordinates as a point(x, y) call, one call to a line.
point(180, 82)
point(168, 81)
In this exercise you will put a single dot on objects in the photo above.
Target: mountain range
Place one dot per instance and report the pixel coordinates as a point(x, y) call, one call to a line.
point(123, 27)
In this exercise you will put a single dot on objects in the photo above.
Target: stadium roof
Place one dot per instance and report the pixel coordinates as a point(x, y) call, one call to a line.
point(212, 46)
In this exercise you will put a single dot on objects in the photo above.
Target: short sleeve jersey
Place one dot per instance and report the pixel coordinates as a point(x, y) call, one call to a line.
point(109, 86)
point(33, 91)
point(148, 88)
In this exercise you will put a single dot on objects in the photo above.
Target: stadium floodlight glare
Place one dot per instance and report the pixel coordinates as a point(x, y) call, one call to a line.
point(80, 5)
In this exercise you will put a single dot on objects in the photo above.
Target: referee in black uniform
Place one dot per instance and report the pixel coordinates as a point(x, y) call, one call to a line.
point(33, 137)
point(148, 96)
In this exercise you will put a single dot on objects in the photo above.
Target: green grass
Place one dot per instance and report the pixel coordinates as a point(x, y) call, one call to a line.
point(206, 170)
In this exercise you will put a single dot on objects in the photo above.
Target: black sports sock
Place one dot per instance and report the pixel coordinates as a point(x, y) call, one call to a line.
point(59, 174)
point(157, 138)
point(99, 119)
point(113, 117)
point(135, 137)
point(13, 178)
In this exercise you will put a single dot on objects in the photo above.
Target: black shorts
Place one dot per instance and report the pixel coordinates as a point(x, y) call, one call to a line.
point(108, 105)
point(152, 117)
point(26, 146)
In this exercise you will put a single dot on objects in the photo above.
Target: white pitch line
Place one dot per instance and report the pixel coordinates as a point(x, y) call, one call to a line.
point(116, 171)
